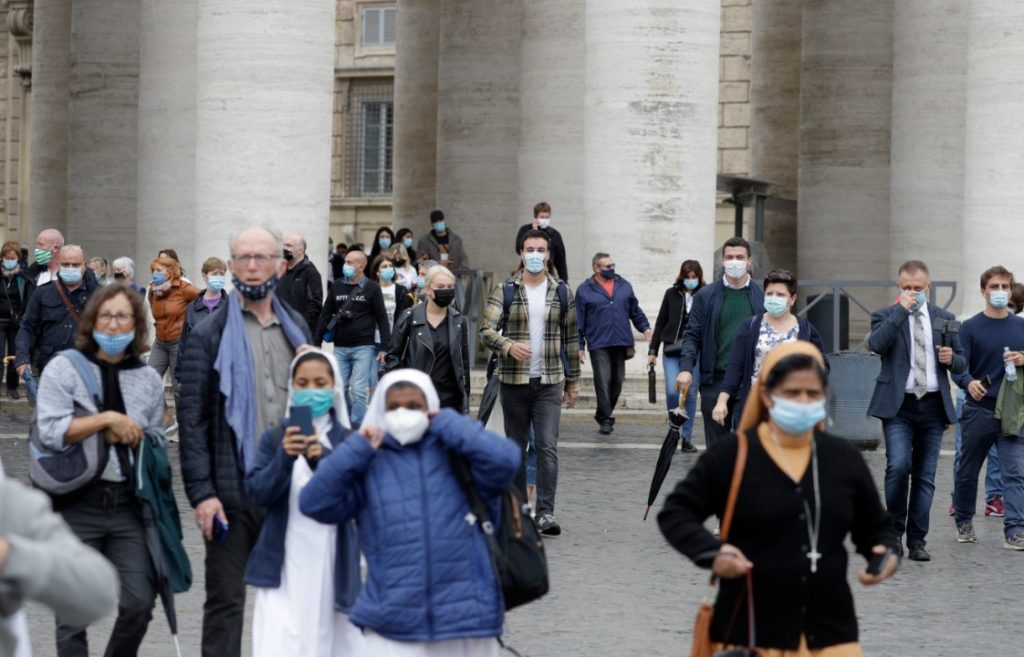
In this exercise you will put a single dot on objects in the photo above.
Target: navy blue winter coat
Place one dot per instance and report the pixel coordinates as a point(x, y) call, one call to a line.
point(430, 574)
point(603, 321)
point(268, 485)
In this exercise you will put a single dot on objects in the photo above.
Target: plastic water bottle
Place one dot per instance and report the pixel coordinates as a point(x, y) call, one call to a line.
point(1011, 369)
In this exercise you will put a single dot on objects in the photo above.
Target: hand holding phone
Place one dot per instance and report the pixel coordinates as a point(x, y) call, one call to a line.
point(220, 530)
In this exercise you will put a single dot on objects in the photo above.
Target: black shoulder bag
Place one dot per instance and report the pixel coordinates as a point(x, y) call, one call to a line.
point(517, 551)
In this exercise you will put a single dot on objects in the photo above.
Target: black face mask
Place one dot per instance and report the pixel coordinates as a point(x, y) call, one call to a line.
point(118, 277)
point(288, 255)
point(444, 297)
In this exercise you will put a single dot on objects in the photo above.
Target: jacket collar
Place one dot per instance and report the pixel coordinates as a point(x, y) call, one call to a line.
point(419, 314)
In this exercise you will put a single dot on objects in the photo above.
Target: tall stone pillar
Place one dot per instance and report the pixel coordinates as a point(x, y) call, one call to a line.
point(928, 114)
point(19, 159)
point(845, 113)
point(104, 126)
point(263, 117)
point(993, 193)
point(166, 139)
point(478, 127)
point(551, 87)
point(51, 75)
point(415, 160)
point(650, 133)
point(775, 115)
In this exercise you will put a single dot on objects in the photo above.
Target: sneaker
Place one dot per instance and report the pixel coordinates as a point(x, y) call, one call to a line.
point(995, 508)
point(548, 526)
point(687, 446)
point(919, 554)
point(1014, 541)
point(965, 533)
point(172, 429)
point(952, 510)
point(606, 428)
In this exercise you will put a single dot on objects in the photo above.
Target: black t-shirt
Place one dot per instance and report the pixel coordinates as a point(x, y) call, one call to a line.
point(443, 371)
point(442, 240)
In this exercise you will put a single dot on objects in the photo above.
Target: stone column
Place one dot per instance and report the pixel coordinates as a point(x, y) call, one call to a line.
point(650, 118)
point(928, 114)
point(104, 126)
point(19, 162)
point(993, 193)
point(415, 160)
point(551, 90)
point(478, 127)
point(51, 71)
point(263, 116)
point(166, 139)
point(775, 115)
point(845, 113)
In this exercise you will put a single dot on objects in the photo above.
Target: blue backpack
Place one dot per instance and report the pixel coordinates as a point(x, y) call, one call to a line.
point(63, 471)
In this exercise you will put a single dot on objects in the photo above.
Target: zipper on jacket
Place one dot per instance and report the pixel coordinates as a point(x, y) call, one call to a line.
point(426, 540)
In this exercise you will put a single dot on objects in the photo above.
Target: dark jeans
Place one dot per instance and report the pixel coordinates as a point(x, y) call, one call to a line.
point(541, 406)
point(913, 440)
point(981, 430)
point(609, 367)
point(224, 609)
point(7, 334)
point(713, 431)
point(107, 518)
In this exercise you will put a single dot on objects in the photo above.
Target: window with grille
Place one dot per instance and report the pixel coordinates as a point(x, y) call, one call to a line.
point(370, 140)
point(378, 28)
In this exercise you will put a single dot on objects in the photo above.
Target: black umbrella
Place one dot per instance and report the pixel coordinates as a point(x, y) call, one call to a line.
point(164, 586)
point(676, 419)
point(488, 399)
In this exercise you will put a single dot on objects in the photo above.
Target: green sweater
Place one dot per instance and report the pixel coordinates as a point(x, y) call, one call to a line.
point(735, 309)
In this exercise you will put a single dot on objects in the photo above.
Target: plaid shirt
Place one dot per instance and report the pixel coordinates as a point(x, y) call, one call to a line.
point(517, 329)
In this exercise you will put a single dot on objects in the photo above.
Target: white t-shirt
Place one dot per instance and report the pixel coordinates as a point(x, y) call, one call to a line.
point(536, 312)
point(389, 306)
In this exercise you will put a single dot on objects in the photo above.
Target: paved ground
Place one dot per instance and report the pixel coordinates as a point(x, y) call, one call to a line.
point(618, 590)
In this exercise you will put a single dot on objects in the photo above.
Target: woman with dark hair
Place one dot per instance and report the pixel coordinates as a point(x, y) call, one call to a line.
point(404, 237)
point(801, 493)
point(668, 329)
point(15, 289)
point(383, 240)
point(106, 514)
point(760, 334)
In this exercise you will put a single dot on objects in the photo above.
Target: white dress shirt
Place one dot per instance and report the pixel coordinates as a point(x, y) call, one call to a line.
point(929, 350)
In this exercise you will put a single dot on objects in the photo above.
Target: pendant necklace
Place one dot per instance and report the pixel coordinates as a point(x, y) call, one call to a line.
point(813, 529)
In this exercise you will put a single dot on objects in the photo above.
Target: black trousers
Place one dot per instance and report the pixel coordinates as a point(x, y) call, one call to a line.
point(708, 398)
point(224, 609)
point(609, 367)
point(7, 334)
point(107, 518)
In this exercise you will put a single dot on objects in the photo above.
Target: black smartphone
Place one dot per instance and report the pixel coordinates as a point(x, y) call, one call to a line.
point(220, 530)
point(877, 561)
point(301, 417)
point(987, 382)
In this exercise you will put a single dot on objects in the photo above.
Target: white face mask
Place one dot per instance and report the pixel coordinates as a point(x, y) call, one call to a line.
point(735, 268)
point(543, 223)
point(406, 425)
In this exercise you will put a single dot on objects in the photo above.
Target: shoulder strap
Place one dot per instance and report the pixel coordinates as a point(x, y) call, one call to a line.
point(508, 291)
point(734, 485)
point(563, 300)
point(477, 506)
point(86, 374)
point(66, 300)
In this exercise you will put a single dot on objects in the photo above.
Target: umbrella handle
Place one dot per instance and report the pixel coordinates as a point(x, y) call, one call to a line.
point(682, 394)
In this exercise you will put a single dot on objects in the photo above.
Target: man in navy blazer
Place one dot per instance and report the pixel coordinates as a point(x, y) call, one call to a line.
point(912, 399)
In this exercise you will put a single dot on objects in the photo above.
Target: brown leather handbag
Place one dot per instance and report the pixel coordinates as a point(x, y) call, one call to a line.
point(702, 626)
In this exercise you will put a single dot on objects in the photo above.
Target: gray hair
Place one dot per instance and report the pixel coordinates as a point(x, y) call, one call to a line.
point(54, 235)
point(429, 264)
point(598, 257)
point(270, 230)
point(73, 247)
point(125, 263)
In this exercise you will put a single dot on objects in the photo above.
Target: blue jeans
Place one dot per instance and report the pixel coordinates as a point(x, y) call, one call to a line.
point(981, 431)
point(356, 365)
point(672, 366)
point(993, 477)
point(913, 440)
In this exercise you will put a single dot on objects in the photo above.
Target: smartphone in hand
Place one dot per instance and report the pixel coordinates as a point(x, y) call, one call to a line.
point(877, 561)
point(301, 417)
point(220, 530)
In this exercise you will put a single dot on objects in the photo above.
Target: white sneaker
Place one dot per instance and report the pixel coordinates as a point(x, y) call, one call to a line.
point(171, 433)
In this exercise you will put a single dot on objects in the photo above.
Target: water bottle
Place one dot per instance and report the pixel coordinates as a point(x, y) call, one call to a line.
point(1011, 369)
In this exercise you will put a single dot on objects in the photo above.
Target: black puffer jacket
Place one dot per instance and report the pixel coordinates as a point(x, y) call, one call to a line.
point(209, 452)
point(412, 346)
point(302, 288)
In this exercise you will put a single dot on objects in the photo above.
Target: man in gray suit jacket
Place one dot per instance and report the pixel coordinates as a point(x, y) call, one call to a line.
point(912, 399)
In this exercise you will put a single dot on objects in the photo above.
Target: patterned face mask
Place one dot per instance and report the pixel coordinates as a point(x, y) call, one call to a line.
point(255, 292)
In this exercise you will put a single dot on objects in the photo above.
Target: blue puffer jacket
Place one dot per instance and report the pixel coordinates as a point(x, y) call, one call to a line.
point(603, 321)
point(430, 575)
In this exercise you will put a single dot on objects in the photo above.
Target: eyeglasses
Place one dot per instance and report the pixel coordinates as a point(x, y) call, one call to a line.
point(259, 258)
point(118, 318)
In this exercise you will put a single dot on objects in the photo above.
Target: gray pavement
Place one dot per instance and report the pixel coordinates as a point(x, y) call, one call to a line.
point(618, 589)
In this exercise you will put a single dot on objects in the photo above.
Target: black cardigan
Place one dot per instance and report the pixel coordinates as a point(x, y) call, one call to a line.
point(671, 320)
point(769, 527)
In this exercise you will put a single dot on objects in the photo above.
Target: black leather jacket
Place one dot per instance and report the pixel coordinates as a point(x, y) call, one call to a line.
point(412, 346)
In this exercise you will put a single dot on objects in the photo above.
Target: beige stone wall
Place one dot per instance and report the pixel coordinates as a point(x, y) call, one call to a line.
point(734, 88)
point(10, 135)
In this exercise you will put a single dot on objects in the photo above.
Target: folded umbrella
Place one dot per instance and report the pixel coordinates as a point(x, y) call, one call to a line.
point(31, 387)
point(676, 419)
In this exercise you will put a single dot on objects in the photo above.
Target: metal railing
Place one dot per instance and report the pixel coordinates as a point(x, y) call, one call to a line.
point(472, 287)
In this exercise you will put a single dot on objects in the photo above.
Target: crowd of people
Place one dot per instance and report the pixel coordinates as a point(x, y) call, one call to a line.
point(300, 462)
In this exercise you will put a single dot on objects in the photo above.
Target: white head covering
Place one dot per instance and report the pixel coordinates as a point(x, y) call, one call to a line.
point(377, 407)
point(340, 408)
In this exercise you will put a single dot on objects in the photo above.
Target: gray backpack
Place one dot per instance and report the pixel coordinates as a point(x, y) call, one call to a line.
point(63, 471)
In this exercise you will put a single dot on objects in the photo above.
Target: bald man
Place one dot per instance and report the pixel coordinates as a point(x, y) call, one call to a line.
point(301, 287)
point(45, 258)
point(51, 318)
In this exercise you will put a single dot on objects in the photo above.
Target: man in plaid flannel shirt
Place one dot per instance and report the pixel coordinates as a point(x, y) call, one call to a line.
point(539, 364)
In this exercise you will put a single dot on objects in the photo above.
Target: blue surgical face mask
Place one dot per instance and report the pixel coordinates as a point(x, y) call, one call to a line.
point(159, 278)
point(690, 283)
point(10, 264)
point(73, 275)
point(320, 400)
point(113, 344)
point(607, 274)
point(534, 262)
point(999, 299)
point(348, 271)
point(776, 306)
point(385, 242)
point(921, 299)
point(387, 274)
point(407, 242)
point(421, 282)
point(216, 282)
point(439, 227)
point(795, 417)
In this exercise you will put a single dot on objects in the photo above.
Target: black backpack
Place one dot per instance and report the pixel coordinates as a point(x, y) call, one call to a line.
point(517, 550)
point(508, 291)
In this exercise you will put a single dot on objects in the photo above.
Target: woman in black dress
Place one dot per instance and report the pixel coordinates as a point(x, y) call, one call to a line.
point(803, 492)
